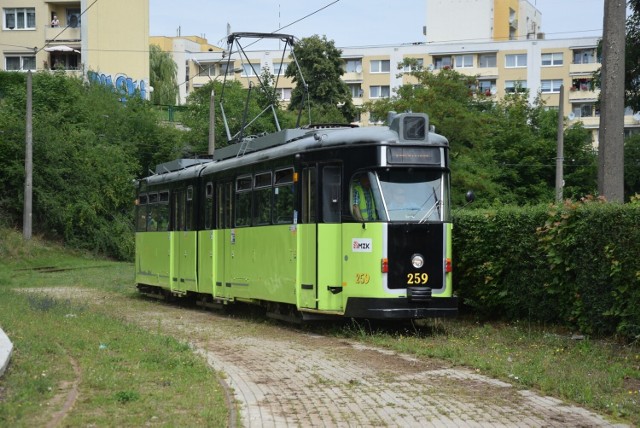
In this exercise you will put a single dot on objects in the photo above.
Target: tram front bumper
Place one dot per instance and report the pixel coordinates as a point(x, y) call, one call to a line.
point(400, 308)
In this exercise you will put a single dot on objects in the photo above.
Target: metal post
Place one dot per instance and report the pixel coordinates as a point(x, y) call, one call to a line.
point(28, 163)
point(560, 154)
point(212, 123)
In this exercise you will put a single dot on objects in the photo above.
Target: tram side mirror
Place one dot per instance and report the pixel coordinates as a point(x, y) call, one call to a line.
point(470, 196)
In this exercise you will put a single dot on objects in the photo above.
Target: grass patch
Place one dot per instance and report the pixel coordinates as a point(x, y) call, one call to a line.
point(129, 376)
point(123, 374)
point(602, 375)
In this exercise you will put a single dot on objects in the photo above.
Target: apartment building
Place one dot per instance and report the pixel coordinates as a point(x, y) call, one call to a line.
point(497, 41)
point(484, 20)
point(104, 40)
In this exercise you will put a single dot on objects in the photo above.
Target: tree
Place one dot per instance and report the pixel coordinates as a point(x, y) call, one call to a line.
point(162, 76)
point(88, 147)
point(632, 57)
point(502, 150)
point(321, 68)
point(196, 117)
point(611, 135)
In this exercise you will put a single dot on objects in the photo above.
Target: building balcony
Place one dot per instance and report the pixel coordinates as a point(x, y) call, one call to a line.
point(352, 77)
point(584, 69)
point(62, 34)
point(579, 94)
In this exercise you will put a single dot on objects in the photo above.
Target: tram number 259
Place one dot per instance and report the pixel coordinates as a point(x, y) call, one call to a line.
point(417, 278)
point(362, 278)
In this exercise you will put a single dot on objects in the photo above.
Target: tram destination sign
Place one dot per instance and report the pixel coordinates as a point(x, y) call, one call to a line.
point(413, 155)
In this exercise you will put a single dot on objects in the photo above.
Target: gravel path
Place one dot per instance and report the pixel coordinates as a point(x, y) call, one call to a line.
point(283, 377)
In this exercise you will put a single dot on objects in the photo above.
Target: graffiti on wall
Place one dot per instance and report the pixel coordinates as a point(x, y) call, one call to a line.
point(122, 82)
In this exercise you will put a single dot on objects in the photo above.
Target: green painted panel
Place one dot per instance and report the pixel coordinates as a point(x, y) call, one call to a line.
point(260, 263)
point(363, 250)
point(184, 262)
point(306, 269)
point(330, 267)
point(153, 258)
point(206, 256)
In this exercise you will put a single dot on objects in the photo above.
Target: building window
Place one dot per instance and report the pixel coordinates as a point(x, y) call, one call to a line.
point(20, 19)
point(73, 17)
point(284, 94)
point(487, 60)
point(356, 90)
point(511, 86)
point(552, 59)
point(226, 68)
point(380, 92)
point(249, 70)
point(20, 63)
point(550, 86)
point(515, 60)
point(584, 56)
point(440, 62)
point(353, 66)
point(464, 61)
point(487, 87)
point(416, 65)
point(280, 68)
point(585, 110)
point(581, 84)
point(380, 66)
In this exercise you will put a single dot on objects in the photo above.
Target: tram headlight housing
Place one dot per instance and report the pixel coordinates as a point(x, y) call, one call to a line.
point(417, 261)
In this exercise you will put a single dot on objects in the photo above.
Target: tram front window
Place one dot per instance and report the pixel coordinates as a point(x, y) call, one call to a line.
point(415, 195)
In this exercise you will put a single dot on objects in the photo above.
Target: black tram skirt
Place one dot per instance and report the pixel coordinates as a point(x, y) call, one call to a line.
point(401, 308)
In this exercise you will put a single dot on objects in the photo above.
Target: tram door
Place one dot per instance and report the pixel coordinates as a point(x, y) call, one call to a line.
point(184, 242)
point(323, 202)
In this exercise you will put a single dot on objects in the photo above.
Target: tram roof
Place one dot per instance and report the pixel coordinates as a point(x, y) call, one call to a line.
point(286, 143)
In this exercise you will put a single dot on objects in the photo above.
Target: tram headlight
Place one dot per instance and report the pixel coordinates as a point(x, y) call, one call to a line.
point(417, 261)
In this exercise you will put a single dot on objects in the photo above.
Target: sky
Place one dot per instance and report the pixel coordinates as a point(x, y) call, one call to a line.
point(346, 22)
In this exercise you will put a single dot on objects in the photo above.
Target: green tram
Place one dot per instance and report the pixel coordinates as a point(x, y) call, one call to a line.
point(283, 222)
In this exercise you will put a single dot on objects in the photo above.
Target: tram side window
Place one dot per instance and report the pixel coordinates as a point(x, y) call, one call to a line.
point(163, 211)
point(152, 213)
point(243, 201)
point(208, 206)
point(331, 194)
point(228, 205)
point(141, 218)
point(309, 179)
point(283, 196)
point(189, 209)
point(262, 198)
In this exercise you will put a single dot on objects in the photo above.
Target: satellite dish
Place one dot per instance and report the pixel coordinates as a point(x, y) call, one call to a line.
point(494, 90)
point(571, 116)
point(358, 69)
point(636, 117)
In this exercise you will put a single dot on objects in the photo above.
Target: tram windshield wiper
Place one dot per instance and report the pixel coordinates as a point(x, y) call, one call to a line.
point(436, 205)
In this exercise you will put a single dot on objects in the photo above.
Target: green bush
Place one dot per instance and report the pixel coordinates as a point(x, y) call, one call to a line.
point(574, 264)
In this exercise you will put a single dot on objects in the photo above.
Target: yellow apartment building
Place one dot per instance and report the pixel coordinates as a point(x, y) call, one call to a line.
point(104, 40)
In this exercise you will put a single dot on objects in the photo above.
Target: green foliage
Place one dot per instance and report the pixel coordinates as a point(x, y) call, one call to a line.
point(88, 146)
point(234, 99)
point(632, 165)
point(321, 66)
point(504, 151)
point(163, 76)
point(576, 264)
point(632, 58)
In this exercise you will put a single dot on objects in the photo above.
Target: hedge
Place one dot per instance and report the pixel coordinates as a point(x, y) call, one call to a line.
point(577, 264)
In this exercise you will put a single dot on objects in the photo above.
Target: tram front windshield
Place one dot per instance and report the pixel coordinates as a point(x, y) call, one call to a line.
point(415, 195)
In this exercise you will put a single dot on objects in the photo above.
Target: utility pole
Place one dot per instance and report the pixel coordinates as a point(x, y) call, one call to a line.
point(212, 123)
point(28, 163)
point(611, 134)
point(560, 153)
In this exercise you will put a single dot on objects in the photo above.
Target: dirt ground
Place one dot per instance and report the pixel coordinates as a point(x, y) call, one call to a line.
point(279, 376)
